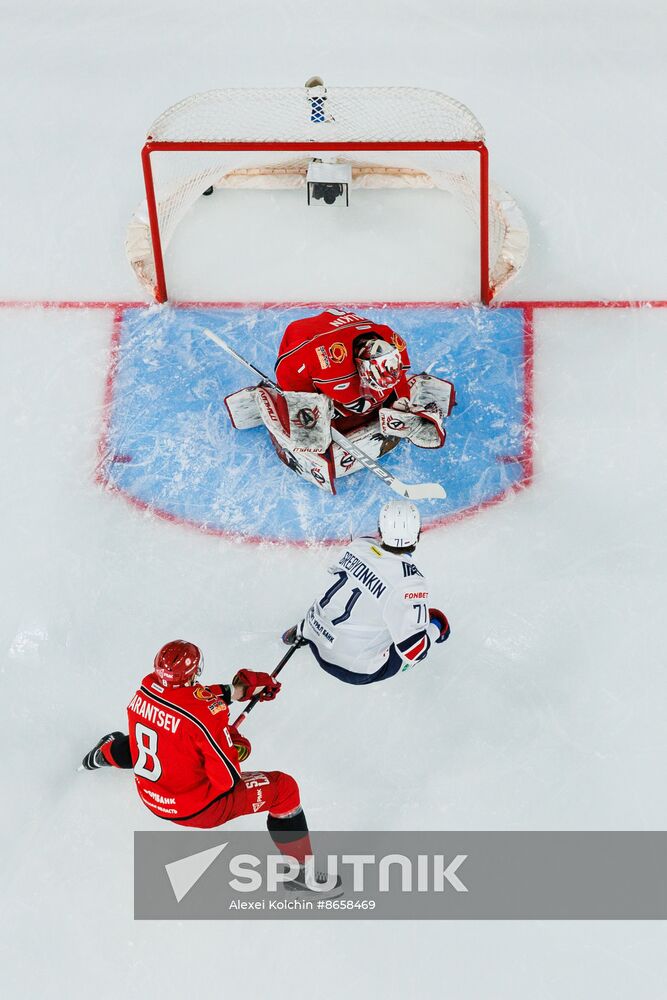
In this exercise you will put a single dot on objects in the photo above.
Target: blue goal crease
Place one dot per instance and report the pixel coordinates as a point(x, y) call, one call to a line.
point(171, 446)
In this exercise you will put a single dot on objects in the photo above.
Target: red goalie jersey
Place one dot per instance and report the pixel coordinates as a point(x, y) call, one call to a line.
point(318, 354)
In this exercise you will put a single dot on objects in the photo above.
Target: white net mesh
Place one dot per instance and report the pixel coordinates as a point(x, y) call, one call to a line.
point(316, 115)
point(339, 114)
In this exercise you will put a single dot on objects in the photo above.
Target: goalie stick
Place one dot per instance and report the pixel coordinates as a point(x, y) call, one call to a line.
point(413, 491)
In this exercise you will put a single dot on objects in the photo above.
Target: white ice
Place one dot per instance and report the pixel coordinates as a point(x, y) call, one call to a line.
point(546, 709)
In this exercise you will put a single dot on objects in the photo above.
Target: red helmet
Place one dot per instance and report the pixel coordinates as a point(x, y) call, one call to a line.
point(378, 364)
point(178, 662)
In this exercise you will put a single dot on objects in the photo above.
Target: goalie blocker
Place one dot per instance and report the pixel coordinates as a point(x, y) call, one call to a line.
point(299, 425)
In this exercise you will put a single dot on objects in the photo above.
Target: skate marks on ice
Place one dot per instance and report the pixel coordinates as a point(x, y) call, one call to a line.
point(168, 446)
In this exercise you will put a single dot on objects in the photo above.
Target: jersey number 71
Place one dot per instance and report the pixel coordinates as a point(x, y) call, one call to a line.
point(333, 589)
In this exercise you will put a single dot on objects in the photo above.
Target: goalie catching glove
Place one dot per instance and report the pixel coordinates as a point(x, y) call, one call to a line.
point(420, 418)
point(252, 682)
point(422, 426)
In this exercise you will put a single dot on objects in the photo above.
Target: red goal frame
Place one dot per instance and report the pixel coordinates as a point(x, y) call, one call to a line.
point(151, 146)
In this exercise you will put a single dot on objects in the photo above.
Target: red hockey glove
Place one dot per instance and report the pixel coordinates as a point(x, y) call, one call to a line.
point(440, 619)
point(250, 680)
point(241, 744)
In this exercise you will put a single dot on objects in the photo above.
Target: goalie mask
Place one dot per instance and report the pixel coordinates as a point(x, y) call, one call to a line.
point(178, 663)
point(378, 364)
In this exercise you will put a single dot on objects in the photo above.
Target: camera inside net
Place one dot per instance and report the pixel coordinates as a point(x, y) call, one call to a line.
point(328, 183)
point(327, 192)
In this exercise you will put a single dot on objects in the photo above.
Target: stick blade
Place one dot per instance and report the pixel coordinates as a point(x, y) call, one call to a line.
point(424, 491)
point(215, 338)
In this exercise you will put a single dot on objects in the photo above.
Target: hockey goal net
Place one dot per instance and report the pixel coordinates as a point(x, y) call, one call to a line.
point(393, 137)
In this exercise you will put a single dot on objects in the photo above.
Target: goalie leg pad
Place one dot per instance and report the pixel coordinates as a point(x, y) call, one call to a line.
point(301, 421)
point(243, 409)
point(273, 411)
point(315, 469)
point(301, 439)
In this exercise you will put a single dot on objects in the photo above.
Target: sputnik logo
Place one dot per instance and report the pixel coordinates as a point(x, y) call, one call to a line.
point(186, 872)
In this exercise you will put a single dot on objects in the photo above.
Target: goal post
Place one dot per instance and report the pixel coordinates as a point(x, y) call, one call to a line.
point(266, 138)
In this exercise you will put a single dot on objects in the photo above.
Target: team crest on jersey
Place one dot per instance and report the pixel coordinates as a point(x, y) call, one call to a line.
point(398, 342)
point(338, 352)
point(409, 569)
point(214, 702)
point(202, 693)
point(322, 357)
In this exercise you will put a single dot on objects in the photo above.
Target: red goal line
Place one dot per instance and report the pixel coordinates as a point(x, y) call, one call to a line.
point(525, 304)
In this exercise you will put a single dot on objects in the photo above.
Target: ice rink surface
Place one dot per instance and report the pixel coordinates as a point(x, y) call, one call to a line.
point(546, 709)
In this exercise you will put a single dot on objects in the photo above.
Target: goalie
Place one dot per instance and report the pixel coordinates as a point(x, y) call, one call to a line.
point(339, 369)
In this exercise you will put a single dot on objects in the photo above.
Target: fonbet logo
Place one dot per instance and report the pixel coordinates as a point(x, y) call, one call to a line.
point(358, 872)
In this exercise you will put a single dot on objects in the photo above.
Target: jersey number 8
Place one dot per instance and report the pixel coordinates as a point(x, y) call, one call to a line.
point(147, 746)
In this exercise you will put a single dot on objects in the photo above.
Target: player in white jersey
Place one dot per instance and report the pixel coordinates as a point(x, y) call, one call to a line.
point(375, 618)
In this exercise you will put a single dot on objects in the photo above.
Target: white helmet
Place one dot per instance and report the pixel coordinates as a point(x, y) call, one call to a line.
point(399, 524)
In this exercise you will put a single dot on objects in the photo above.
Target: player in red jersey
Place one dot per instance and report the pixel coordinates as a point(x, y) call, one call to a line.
point(339, 369)
point(187, 757)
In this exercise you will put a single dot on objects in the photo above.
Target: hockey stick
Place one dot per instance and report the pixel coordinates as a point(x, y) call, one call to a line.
point(256, 697)
point(413, 491)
